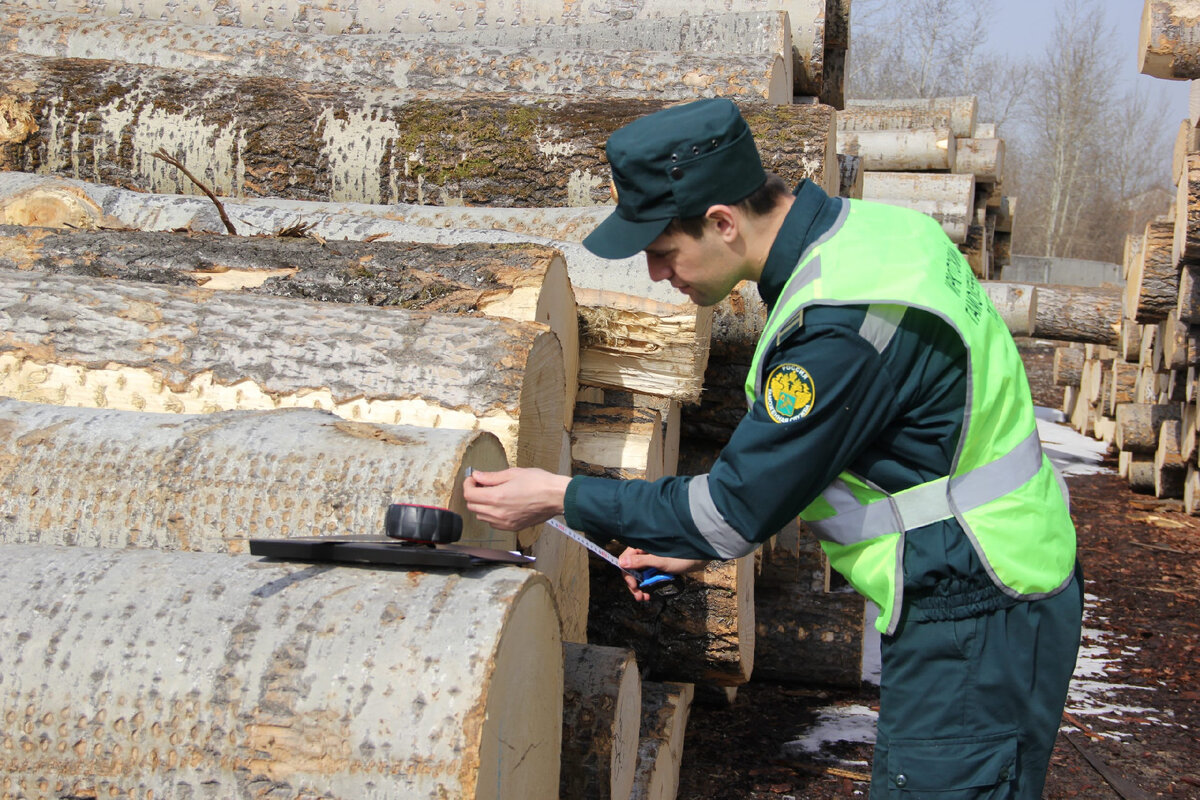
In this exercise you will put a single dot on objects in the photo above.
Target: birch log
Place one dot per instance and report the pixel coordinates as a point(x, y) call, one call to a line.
point(216, 675)
point(1169, 39)
point(983, 158)
point(602, 705)
point(900, 150)
point(417, 64)
point(1016, 303)
point(956, 113)
point(704, 634)
point(665, 711)
point(947, 198)
point(526, 283)
point(267, 137)
point(107, 478)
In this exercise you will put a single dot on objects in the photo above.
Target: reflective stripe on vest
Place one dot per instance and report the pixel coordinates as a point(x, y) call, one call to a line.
point(929, 502)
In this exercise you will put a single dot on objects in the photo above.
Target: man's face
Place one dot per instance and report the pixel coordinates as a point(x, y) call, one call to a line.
point(705, 269)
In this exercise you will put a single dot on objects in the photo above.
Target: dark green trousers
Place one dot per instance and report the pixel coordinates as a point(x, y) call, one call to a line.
point(970, 708)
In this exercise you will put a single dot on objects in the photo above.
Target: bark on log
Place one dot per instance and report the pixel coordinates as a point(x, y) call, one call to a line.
point(665, 711)
point(1138, 424)
point(1169, 39)
point(900, 150)
point(616, 442)
point(1001, 251)
point(1191, 490)
point(975, 249)
point(1152, 285)
point(602, 705)
point(1187, 306)
point(947, 198)
point(1140, 474)
point(851, 184)
point(382, 60)
point(704, 634)
point(269, 137)
point(1124, 385)
point(105, 478)
point(314, 681)
point(1173, 335)
point(1170, 470)
point(1068, 366)
point(1187, 214)
point(104, 343)
point(526, 283)
point(808, 637)
point(1075, 314)
point(955, 113)
point(983, 158)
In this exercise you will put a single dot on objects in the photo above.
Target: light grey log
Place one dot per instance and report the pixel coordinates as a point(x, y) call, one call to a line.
point(136, 673)
point(1169, 39)
point(106, 478)
point(665, 711)
point(913, 150)
point(105, 343)
point(418, 64)
point(1017, 304)
point(264, 137)
point(985, 130)
point(602, 705)
point(947, 198)
point(1078, 314)
point(957, 113)
point(983, 158)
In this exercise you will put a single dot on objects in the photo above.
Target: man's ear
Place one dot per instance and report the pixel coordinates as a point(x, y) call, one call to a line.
point(725, 220)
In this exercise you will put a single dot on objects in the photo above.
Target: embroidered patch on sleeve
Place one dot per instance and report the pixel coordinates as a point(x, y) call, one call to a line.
point(790, 393)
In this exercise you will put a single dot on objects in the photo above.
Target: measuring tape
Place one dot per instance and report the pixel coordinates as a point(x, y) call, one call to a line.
point(649, 579)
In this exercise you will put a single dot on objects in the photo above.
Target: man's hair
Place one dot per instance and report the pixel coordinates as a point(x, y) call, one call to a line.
point(758, 203)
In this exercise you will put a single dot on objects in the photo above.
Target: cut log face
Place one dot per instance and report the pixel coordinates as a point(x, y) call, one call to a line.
point(900, 150)
point(310, 679)
point(532, 58)
point(617, 442)
point(602, 709)
point(1016, 303)
point(267, 138)
point(983, 158)
point(956, 113)
point(104, 478)
point(1169, 39)
point(947, 198)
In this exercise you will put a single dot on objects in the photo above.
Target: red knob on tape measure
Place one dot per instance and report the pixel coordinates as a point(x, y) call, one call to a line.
point(426, 524)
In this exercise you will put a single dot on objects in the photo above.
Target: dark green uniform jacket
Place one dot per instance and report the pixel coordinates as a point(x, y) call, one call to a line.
point(892, 417)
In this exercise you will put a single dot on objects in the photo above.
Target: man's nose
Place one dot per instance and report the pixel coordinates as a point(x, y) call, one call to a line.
point(659, 271)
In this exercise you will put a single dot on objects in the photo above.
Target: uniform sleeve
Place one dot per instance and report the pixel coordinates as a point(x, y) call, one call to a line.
point(835, 400)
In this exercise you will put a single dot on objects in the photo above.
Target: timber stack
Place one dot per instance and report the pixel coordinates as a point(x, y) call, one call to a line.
point(384, 289)
point(1138, 391)
point(931, 155)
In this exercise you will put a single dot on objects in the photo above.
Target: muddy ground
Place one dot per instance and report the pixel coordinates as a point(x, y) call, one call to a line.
point(1132, 728)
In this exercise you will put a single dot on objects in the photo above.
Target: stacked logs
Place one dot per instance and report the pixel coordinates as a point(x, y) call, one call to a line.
point(1139, 391)
point(180, 386)
point(931, 155)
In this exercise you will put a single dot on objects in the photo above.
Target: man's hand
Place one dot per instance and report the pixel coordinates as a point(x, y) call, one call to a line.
point(515, 498)
point(636, 559)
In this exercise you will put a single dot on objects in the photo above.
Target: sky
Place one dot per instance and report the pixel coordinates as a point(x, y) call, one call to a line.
point(1022, 28)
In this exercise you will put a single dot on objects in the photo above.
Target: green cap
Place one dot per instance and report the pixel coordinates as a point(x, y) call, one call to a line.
point(675, 163)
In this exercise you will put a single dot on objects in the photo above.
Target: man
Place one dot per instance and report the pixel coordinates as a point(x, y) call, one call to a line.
point(890, 410)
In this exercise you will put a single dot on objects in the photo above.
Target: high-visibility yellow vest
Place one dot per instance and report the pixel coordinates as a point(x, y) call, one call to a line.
point(1002, 489)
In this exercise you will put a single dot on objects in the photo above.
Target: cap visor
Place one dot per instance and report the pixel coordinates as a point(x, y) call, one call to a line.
point(617, 237)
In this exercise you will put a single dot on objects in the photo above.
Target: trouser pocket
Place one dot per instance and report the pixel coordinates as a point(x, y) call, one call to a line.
point(970, 768)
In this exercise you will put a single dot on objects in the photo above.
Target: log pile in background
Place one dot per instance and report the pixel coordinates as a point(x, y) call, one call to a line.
point(375, 106)
point(1139, 392)
point(931, 155)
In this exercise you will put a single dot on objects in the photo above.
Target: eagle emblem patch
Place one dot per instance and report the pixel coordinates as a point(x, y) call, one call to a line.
point(790, 393)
